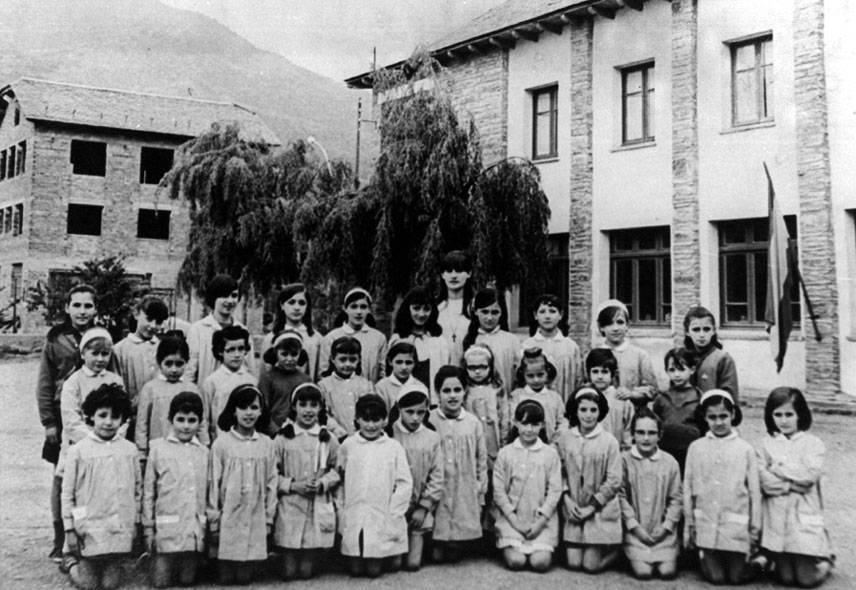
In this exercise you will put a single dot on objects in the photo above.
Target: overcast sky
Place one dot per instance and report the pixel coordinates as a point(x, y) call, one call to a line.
point(335, 37)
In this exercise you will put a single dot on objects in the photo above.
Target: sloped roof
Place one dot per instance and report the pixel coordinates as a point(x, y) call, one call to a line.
point(503, 25)
point(42, 100)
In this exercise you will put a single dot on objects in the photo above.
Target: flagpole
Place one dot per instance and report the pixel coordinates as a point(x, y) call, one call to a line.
point(811, 315)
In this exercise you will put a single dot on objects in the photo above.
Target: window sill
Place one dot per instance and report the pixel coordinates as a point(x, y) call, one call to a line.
point(640, 331)
point(545, 160)
point(634, 146)
point(759, 333)
point(751, 127)
point(154, 240)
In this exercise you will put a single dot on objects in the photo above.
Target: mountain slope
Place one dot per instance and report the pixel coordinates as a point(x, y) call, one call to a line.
point(146, 46)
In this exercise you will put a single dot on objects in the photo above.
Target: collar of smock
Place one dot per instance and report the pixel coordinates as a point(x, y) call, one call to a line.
point(539, 444)
point(637, 455)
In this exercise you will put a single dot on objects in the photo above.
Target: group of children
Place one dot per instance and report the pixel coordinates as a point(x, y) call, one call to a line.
point(386, 449)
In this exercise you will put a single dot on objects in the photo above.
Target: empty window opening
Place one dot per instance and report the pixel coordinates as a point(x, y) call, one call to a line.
point(22, 157)
point(10, 171)
point(153, 224)
point(154, 164)
point(18, 220)
point(84, 220)
point(89, 157)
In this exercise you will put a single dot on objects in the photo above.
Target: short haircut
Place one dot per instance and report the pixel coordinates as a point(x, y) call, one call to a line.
point(681, 357)
point(219, 286)
point(154, 308)
point(456, 261)
point(584, 393)
point(608, 314)
point(549, 300)
point(400, 347)
point(108, 395)
point(82, 288)
point(371, 407)
point(602, 358)
point(645, 412)
point(715, 400)
point(187, 402)
point(412, 398)
point(220, 337)
point(449, 372)
point(529, 411)
point(241, 397)
point(170, 345)
point(780, 396)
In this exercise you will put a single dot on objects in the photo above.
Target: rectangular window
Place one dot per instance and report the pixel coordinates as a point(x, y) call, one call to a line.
point(18, 220)
point(153, 224)
point(10, 169)
point(17, 289)
point(89, 158)
point(752, 81)
point(84, 220)
point(545, 115)
point(22, 157)
point(7, 223)
point(637, 104)
point(17, 115)
point(641, 273)
point(2, 221)
point(743, 248)
point(154, 164)
point(3, 165)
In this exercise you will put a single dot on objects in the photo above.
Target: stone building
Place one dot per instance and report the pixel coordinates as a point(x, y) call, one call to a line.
point(650, 122)
point(79, 169)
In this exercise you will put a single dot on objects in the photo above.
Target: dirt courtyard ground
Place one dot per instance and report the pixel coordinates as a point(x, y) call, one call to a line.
point(26, 528)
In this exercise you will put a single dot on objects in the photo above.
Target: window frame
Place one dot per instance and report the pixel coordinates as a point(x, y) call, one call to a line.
point(552, 114)
point(154, 235)
point(755, 252)
point(648, 71)
point(661, 255)
point(149, 157)
point(764, 96)
point(81, 205)
point(83, 157)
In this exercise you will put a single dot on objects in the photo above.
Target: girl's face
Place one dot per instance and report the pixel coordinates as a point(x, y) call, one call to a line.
point(81, 310)
point(402, 366)
point(528, 432)
point(489, 317)
point(451, 397)
point(345, 364)
point(455, 279)
point(105, 423)
point(616, 332)
point(234, 352)
point(306, 411)
point(287, 358)
point(371, 428)
point(547, 317)
point(601, 378)
point(587, 414)
point(172, 367)
point(646, 435)
point(718, 420)
point(478, 368)
point(680, 377)
point(224, 307)
point(246, 418)
point(185, 426)
point(785, 418)
point(701, 331)
point(96, 357)
point(535, 375)
point(146, 326)
point(294, 308)
point(419, 313)
point(357, 312)
point(413, 416)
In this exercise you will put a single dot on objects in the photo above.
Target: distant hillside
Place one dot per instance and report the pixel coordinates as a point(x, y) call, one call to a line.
point(147, 46)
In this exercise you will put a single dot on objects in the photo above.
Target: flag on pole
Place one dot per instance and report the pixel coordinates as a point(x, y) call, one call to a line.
point(781, 276)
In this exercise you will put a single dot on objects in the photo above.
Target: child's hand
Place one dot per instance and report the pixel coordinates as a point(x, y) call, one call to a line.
point(801, 487)
point(51, 435)
point(536, 528)
point(305, 487)
point(659, 533)
point(623, 393)
point(418, 517)
point(73, 541)
point(641, 534)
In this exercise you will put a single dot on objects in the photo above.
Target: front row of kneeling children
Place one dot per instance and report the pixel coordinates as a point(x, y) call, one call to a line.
point(411, 472)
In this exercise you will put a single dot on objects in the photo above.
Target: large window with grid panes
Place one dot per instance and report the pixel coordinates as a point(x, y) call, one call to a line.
point(743, 253)
point(641, 273)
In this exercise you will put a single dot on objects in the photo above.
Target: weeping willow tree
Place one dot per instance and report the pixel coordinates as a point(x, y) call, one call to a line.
point(243, 199)
point(432, 193)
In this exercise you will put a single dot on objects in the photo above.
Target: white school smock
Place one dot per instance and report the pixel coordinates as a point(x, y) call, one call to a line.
point(792, 522)
point(375, 495)
point(527, 482)
point(153, 411)
point(340, 397)
point(651, 496)
point(202, 362)
point(489, 404)
point(722, 494)
point(617, 420)
point(565, 355)
point(137, 363)
point(465, 477)
point(507, 353)
point(174, 494)
point(635, 369)
point(301, 522)
point(554, 409)
point(434, 349)
point(424, 451)
point(592, 469)
point(74, 391)
point(216, 389)
point(373, 356)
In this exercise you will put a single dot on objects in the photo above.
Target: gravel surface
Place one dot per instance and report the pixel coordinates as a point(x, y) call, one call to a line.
point(26, 536)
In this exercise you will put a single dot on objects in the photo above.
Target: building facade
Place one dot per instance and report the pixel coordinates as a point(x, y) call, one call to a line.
point(651, 122)
point(79, 171)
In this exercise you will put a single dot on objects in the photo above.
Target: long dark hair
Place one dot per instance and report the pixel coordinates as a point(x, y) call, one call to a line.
point(485, 298)
point(354, 295)
point(457, 260)
point(241, 397)
point(403, 325)
point(287, 293)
